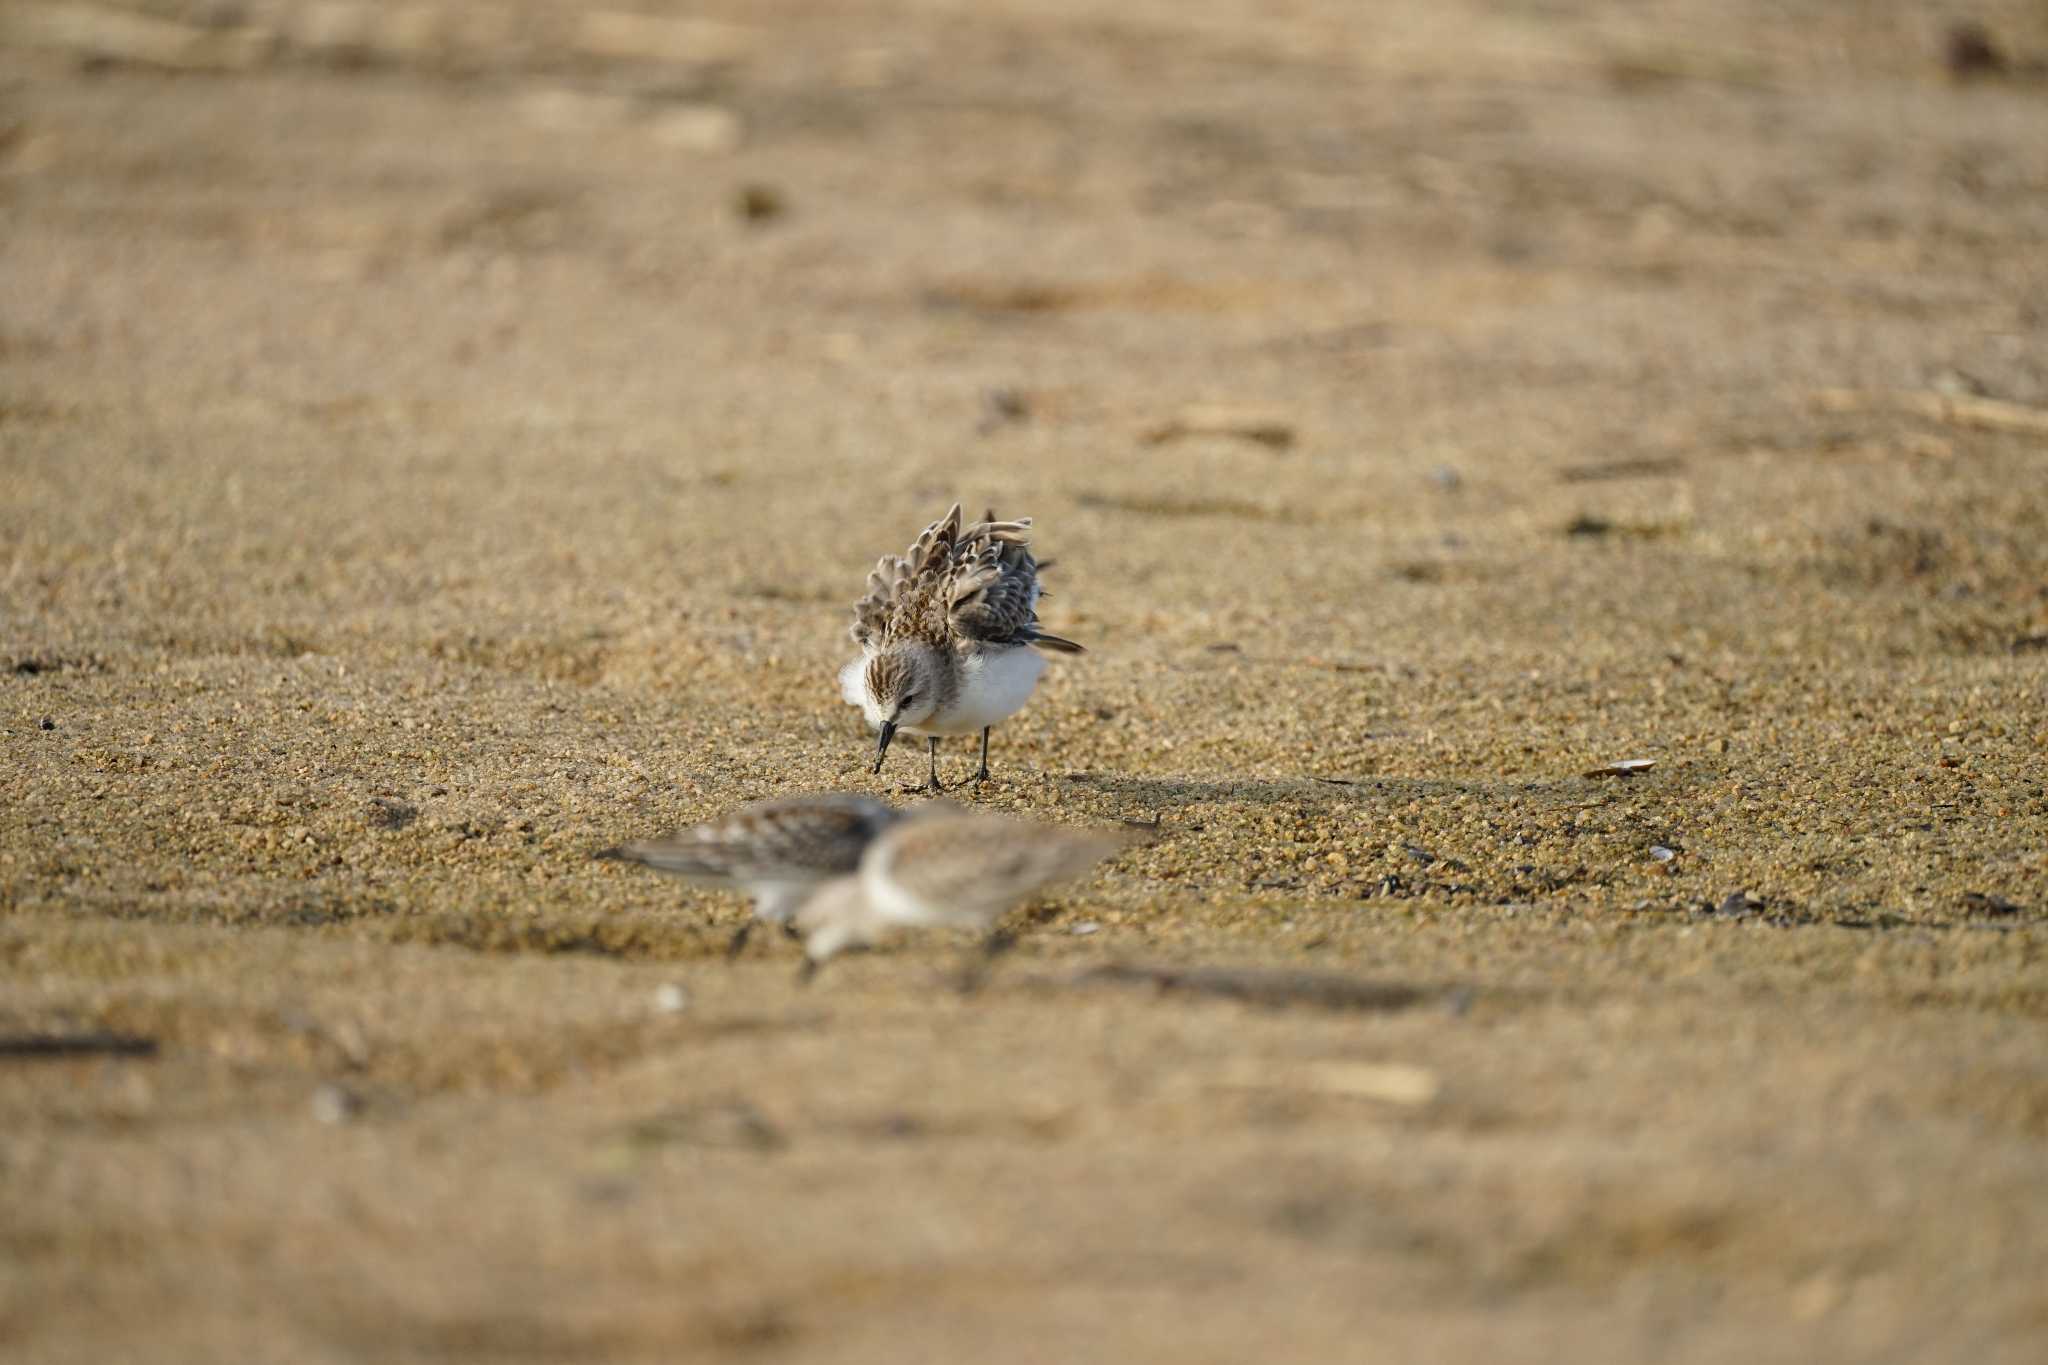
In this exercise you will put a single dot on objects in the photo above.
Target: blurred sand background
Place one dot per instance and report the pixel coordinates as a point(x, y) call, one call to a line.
point(439, 440)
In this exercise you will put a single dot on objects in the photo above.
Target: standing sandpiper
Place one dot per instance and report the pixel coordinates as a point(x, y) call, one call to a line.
point(949, 636)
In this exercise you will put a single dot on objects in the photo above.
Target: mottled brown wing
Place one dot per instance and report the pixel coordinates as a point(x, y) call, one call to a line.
point(871, 613)
point(906, 594)
point(992, 598)
point(977, 583)
point(792, 838)
point(995, 586)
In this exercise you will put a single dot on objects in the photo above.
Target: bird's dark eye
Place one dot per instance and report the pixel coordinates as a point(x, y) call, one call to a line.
point(909, 697)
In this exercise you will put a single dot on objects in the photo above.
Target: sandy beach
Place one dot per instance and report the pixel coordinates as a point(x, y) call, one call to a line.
point(1556, 498)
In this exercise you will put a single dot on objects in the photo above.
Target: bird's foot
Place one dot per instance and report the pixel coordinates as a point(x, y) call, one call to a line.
point(739, 940)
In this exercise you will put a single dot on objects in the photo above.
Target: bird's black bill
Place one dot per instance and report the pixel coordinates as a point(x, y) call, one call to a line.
point(882, 746)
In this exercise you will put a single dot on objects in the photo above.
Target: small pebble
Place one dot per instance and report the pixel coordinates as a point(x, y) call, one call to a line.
point(1662, 854)
point(670, 998)
point(335, 1104)
point(1085, 928)
point(574, 111)
point(759, 203)
point(1972, 51)
point(704, 128)
point(1002, 406)
point(1624, 767)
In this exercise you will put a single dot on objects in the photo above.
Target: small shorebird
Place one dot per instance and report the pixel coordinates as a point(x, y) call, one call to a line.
point(947, 868)
point(777, 851)
point(949, 636)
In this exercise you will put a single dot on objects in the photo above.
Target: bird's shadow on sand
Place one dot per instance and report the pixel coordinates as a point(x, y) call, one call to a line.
point(1163, 794)
point(1274, 987)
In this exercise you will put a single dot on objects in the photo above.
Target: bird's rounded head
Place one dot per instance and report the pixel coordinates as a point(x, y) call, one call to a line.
point(900, 686)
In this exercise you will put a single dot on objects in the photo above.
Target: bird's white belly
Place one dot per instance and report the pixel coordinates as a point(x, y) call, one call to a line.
point(994, 685)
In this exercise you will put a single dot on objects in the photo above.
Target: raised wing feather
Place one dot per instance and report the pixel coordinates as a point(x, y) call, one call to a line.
point(871, 613)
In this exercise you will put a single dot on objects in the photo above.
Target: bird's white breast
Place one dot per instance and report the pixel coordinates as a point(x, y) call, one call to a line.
point(994, 685)
point(887, 899)
point(852, 681)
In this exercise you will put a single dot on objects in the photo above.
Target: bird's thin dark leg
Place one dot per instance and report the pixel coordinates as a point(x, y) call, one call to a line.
point(974, 975)
point(982, 776)
point(739, 939)
point(813, 965)
point(932, 785)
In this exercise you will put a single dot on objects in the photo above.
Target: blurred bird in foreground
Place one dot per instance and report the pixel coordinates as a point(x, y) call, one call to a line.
point(777, 851)
point(946, 868)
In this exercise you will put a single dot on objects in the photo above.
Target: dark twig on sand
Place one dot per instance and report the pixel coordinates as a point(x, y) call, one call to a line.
point(35, 1047)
